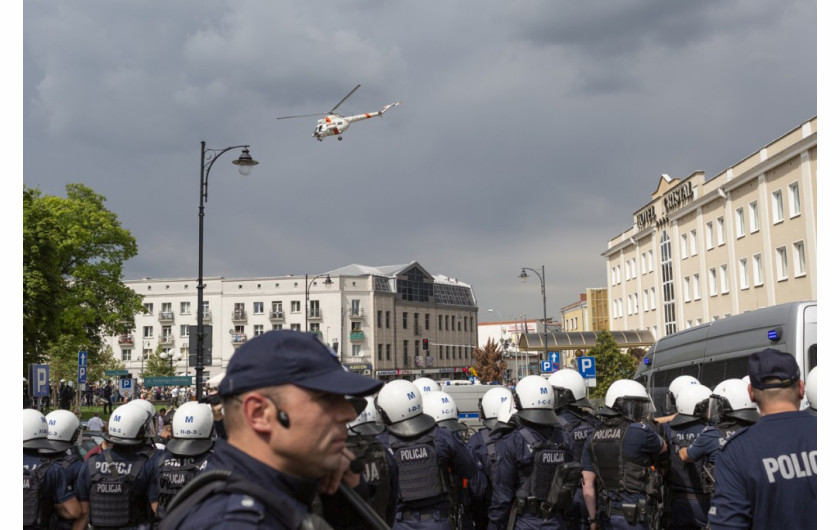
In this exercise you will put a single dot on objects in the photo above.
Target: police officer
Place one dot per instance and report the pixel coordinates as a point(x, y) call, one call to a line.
point(444, 410)
point(426, 384)
point(116, 487)
point(730, 410)
point(379, 471)
point(674, 389)
point(286, 415)
point(186, 453)
point(686, 504)
point(617, 460)
point(151, 446)
point(766, 474)
point(537, 476)
point(811, 389)
point(573, 411)
point(64, 428)
point(45, 491)
point(425, 454)
point(482, 445)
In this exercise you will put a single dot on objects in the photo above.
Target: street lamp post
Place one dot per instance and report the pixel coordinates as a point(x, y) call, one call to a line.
point(172, 356)
point(524, 276)
point(308, 282)
point(208, 157)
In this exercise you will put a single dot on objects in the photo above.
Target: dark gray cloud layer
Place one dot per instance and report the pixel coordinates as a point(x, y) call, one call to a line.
point(529, 133)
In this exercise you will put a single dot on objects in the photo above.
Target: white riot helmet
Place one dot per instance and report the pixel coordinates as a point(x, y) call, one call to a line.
point(35, 431)
point(192, 428)
point(64, 428)
point(674, 388)
point(692, 404)
point(534, 400)
point(127, 425)
point(731, 399)
point(443, 409)
point(151, 427)
point(630, 399)
point(368, 421)
point(569, 387)
point(424, 384)
point(811, 388)
point(490, 403)
point(507, 412)
point(400, 404)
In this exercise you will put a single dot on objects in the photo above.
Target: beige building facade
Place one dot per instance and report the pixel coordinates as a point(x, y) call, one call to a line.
point(701, 249)
point(590, 313)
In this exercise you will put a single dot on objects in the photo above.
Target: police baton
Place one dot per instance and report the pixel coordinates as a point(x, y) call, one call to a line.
point(372, 518)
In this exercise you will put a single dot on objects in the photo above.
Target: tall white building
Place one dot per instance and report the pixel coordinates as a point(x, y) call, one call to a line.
point(701, 249)
point(378, 319)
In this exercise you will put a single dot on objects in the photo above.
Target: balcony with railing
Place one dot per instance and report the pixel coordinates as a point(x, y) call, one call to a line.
point(166, 339)
point(357, 335)
point(207, 316)
point(421, 361)
point(357, 313)
point(315, 313)
point(166, 316)
point(126, 340)
point(238, 338)
point(240, 315)
point(277, 316)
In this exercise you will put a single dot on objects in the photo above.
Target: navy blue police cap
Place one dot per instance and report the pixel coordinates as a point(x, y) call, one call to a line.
point(292, 357)
point(778, 367)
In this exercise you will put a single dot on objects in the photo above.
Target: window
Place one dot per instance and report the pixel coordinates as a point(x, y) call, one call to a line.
point(355, 307)
point(645, 295)
point(743, 273)
point(146, 354)
point(126, 355)
point(753, 217)
point(166, 332)
point(778, 207)
point(258, 330)
point(695, 283)
point(440, 322)
point(379, 352)
point(650, 260)
point(721, 231)
point(652, 298)
point(148, 332)
point(635, 306)
point(724, 280)
point(712, 281)
point(740, 226)
point(692, 240)
point(644, 263)
point(388, 319)
point(205, 309)
point(710, 243)
point(405, 320)
point(793, 199)
point(799, 258)
point(427, 321)
point(633, 267)
point(295, 306)
point(258, 308)
point(357, 350)
point(687, 289)
point(149, 307)
point(405, 353)
point(387, 352)
point(185, 308)
point(627, 270)
point(379, 319)
point(781, 263)
point(629, 304)
point(185, 330)
point(295, 327)
point(684, 246)
point(276, 327)
point(758, 272)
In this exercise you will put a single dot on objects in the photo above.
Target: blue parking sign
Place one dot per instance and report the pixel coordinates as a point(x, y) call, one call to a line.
point(586, 367)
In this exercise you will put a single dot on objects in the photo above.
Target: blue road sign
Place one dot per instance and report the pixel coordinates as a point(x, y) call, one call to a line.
point(554, 357)
point(586, 367)
point(82, 358)
point(40, 379)
point(545, 366)
point(82, 375)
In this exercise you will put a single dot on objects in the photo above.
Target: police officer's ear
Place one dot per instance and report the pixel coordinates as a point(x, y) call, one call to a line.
point(258, 411)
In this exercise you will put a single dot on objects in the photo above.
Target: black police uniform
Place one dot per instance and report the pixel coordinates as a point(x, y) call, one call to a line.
point(119, 485)
point(173, 472)
point(580, 424)
point(44, 486)
point(425, 496)
point(621, 453)
point(380, 482)
point(69, 462)
point(686, 501)
point(528, 460)
point(766, 475)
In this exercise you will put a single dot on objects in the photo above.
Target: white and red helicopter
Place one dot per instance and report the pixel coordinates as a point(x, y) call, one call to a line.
point(334, 124)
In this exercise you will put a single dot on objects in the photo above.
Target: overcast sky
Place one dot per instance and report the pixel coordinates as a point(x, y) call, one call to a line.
point(530, 131)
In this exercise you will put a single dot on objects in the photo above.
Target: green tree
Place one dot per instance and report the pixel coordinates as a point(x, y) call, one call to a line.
point(488, 362)
point(610, 363)
point(73, 254)
point(156, 366)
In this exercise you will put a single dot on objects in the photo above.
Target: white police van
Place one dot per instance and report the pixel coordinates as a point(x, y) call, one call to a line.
point(718, 350)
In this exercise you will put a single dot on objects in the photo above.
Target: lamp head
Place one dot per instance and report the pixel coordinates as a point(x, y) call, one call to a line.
point(523, 276)
point(245, 162)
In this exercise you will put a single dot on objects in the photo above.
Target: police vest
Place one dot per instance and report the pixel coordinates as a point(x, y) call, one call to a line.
point(683, 476)
point(420, 474)
point(707, 472)
point(580, 428)
point(113, 499)
point(552, 477)
point(35, 507)
point(617, 472)
point(492, 454)
point(376, 472)
point(174, 473)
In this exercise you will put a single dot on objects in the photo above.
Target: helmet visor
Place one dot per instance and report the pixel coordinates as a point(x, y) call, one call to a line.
point(563, 397)
point(637, 409)
point(717, 407)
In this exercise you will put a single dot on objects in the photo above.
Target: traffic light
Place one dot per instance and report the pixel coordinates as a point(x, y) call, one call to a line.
point(425, 344)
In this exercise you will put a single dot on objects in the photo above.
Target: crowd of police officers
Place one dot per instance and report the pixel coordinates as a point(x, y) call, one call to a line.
point(543, 459)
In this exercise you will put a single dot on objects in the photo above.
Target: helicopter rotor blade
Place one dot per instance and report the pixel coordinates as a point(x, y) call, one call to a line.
point(345, 98)
point(301, 116)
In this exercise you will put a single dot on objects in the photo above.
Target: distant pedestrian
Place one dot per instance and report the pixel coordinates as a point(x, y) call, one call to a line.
point(107, 407)
point(95, 423)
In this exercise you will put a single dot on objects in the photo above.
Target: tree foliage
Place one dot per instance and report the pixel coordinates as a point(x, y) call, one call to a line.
point(156, 366)
point(73, 254)
point(610, 364)
point(489, 364)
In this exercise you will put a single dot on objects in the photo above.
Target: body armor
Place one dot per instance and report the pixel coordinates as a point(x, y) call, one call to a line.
point(419, 471)
point(113, 500)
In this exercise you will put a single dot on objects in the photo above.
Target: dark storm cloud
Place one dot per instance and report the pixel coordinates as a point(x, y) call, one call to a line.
point(529, 133)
